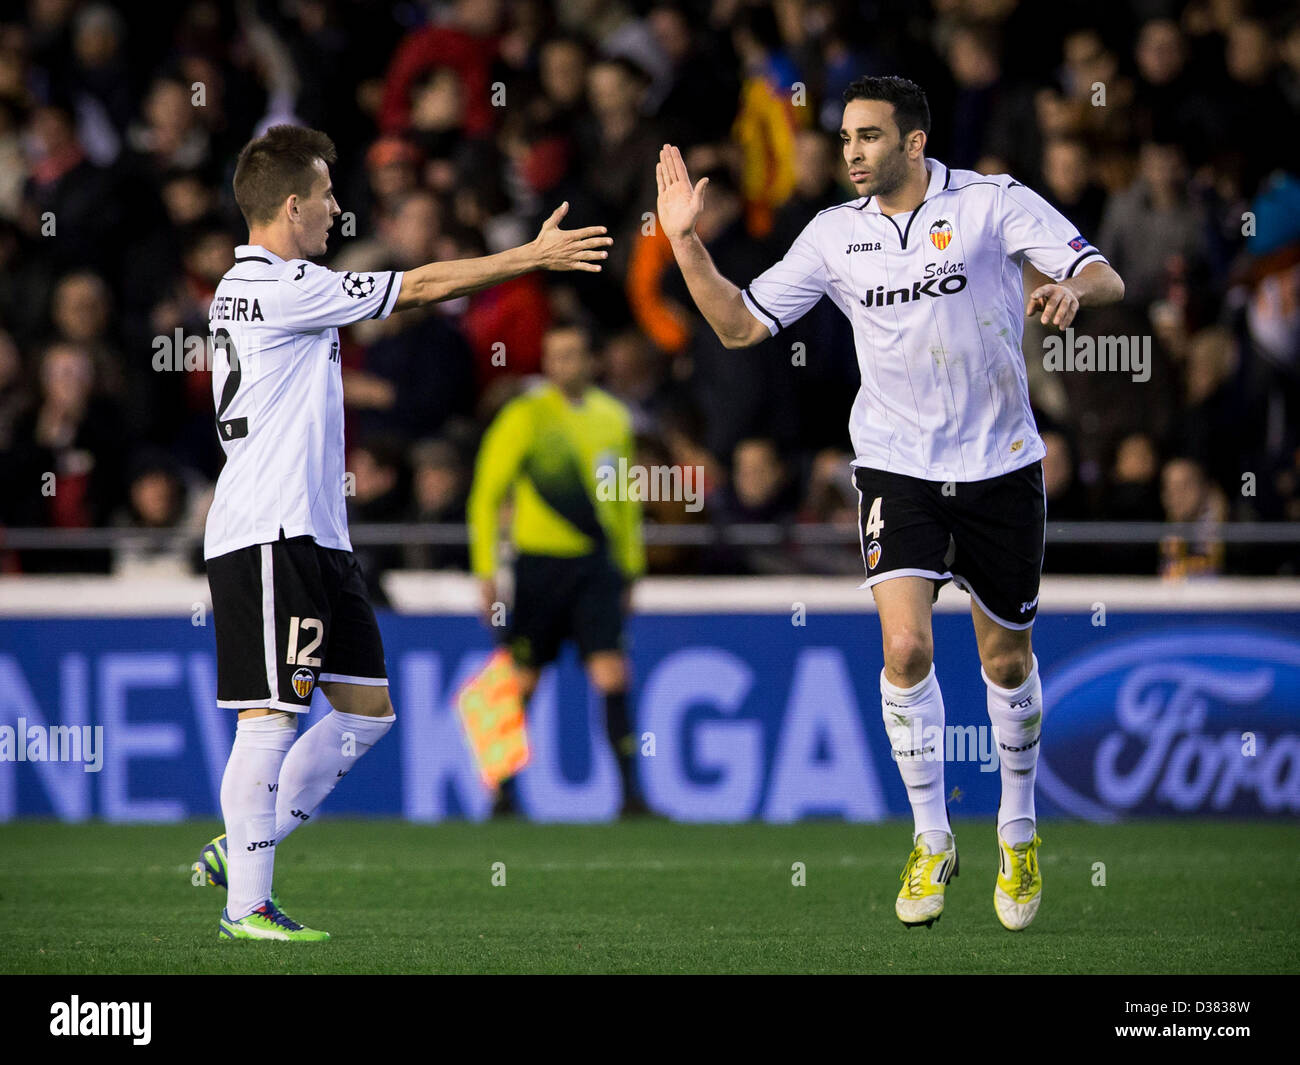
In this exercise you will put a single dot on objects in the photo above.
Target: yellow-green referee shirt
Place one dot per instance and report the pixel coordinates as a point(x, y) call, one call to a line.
point(549, 449)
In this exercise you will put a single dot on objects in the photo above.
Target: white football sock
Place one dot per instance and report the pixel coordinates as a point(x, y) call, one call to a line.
point(1017, 717)
point(322, 757)
point(914, 720)
point(248, 790)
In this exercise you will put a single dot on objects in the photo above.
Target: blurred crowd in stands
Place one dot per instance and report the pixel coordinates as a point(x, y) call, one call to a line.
point(1165, 130)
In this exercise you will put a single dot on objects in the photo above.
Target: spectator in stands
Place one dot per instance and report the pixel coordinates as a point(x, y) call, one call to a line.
point(466, 45)
point(159, 497)
point(991, 114)
point(1069, 186)
point(440, 484)
point(66, 462)
point(1188, 496)
point(67, 195)
point(115, 207)
point(633, 373)
point(698, 104)
point(1066, 501)
point(831, 500)
point(1132, 494)
point(379, 485)
point(762, 491)
point(1152, 223)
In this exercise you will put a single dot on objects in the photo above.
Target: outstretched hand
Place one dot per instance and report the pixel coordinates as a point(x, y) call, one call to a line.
point(1058, 304)
point(571, 249)
point(679, 204)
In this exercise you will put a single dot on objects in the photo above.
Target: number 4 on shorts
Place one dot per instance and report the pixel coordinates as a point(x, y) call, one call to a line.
point(874, 522)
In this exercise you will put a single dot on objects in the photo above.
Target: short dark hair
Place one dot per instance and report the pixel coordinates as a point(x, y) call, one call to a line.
point(911, 109)
point(277, 165)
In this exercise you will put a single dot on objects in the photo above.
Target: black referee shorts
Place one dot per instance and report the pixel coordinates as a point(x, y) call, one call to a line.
point(984, 536)
point(558, 599)
point(287, 615)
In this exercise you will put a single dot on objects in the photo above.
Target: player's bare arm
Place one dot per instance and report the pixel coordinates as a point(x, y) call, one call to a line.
point(718, 299)
point(552, 249)
point(1095, 285)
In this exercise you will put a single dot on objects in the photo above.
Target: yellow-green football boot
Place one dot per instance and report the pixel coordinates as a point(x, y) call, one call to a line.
point(268, 921)
point(1019, 887)
point(924, 877)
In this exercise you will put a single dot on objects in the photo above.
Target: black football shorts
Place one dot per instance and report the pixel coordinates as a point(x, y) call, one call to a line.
point(558, 599)
point(288, 615)
point(985, 536)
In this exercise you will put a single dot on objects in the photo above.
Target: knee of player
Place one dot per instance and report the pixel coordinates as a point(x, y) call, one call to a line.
point(1008, 668)
point(908, 653)
point(608, 673)
point(382, 705)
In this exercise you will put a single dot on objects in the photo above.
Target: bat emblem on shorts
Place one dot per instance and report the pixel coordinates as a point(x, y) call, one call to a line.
point(303, 680)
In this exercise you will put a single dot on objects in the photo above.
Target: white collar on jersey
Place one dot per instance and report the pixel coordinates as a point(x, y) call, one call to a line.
point(940, 175)
point(256, 253)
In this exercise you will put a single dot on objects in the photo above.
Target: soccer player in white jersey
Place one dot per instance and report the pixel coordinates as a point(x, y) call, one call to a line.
point(288, 599)
point(926, 264)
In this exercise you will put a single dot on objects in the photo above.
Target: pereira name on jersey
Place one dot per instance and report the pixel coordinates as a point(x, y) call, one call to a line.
point(277, 384)
point(936, 301)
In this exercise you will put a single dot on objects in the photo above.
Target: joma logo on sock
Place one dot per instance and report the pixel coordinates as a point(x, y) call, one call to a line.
point(102, 1018)
point(300, 815)
point(260, 844)
point(1023, 703)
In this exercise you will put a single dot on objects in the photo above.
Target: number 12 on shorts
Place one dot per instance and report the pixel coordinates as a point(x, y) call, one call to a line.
point(304, 657)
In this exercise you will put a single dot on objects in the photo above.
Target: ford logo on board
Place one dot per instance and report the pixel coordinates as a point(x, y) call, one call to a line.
point(1187, 721)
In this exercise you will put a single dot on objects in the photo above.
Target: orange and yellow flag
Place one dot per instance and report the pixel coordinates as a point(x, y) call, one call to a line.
point(492, 714)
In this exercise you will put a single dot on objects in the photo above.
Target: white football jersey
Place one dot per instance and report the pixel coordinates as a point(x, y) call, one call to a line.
point(937, 305)
point(278, 387)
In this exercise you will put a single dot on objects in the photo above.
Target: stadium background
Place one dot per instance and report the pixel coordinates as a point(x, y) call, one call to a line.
point(118, 134)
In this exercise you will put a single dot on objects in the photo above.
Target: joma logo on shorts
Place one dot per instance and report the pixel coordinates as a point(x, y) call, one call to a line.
point(1025, 608)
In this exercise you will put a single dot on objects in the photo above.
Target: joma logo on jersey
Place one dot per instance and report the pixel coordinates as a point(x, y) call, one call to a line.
point(933, 286)
point(869, 246)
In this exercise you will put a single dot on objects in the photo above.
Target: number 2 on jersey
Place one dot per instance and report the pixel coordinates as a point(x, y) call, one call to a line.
point(232, 428)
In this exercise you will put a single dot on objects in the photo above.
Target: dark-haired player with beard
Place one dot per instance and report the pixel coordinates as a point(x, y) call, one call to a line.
point(926, 264)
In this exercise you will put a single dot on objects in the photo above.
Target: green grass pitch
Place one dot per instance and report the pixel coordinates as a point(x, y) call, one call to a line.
point(653, 897)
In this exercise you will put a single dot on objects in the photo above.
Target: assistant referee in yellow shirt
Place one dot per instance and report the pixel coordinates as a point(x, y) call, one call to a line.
point(577, 548)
